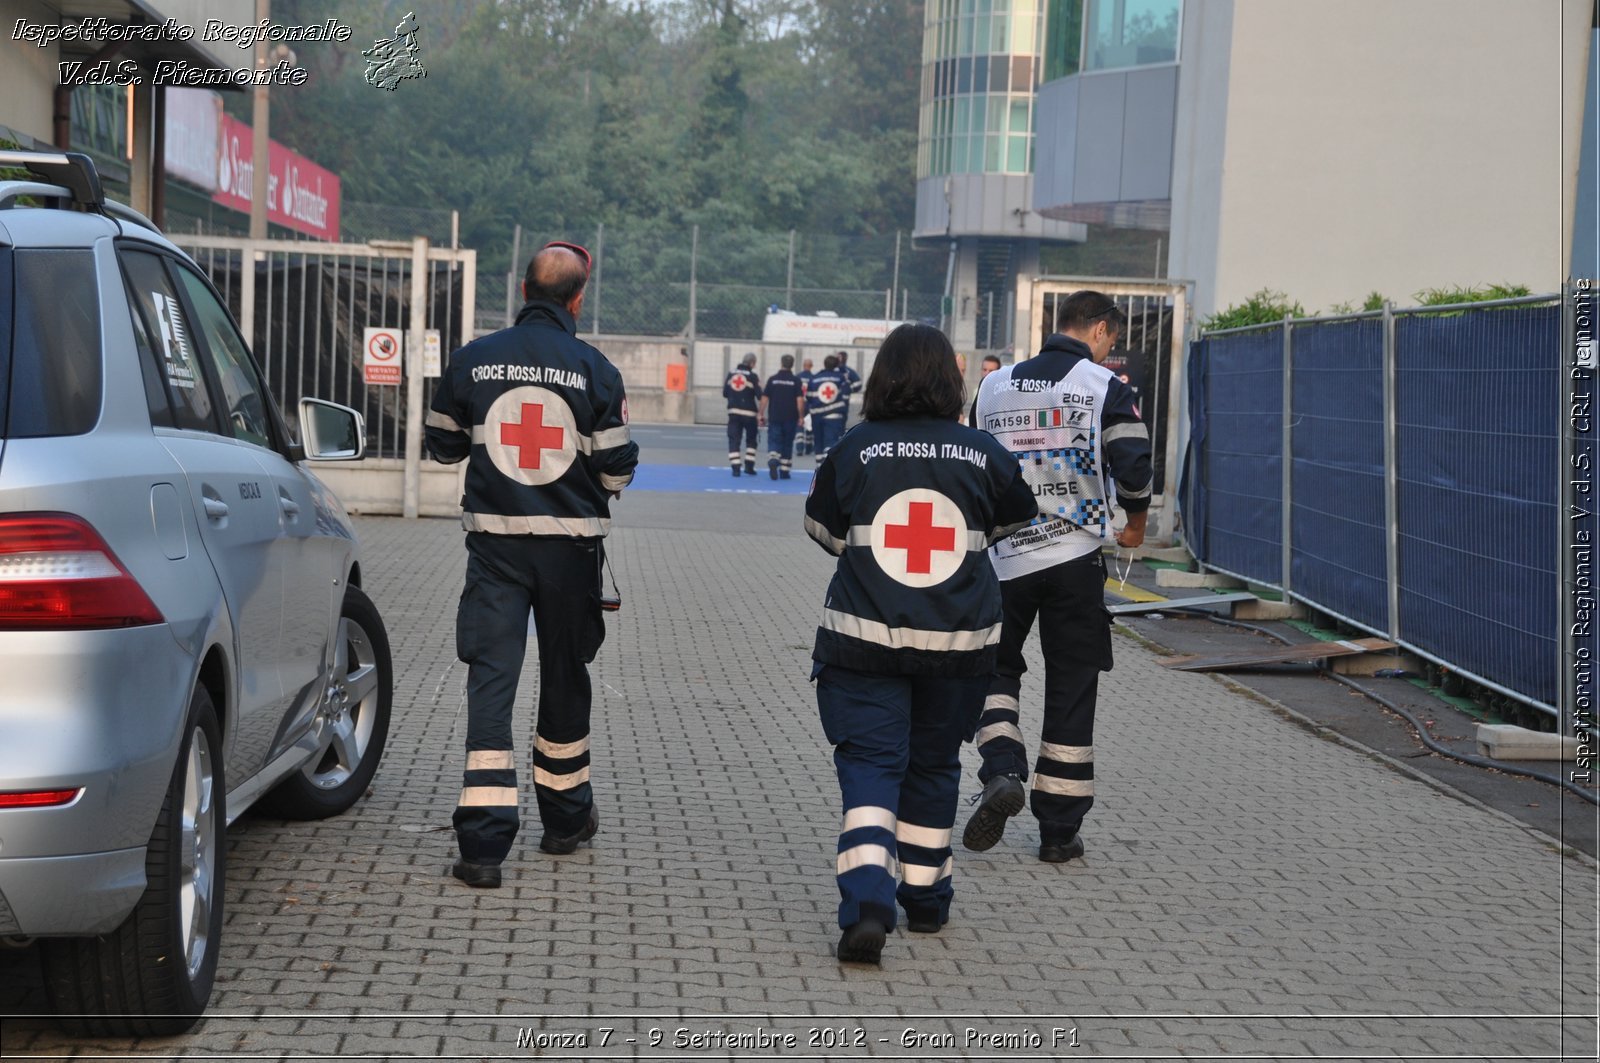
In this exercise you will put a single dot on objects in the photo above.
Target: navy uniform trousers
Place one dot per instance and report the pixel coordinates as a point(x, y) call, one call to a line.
point(780, 444)
point(829, 430)
point(559, 581)
point(896, 746)
point(1075, 634)
point(742, 426)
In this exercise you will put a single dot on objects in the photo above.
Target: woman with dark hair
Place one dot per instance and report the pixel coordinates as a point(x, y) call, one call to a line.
point(909, 501)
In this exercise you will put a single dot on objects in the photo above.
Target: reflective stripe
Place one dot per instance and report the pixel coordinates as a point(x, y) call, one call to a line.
point(923, 875)
point(582, 443)
point(999, 730)
point(1066, 787)
point(742, 413)
point(861, 535)
point(1124, 491)
point(607, 438)
point(815, 529)
point(615, 483)
point(488, 796)
point(999, 701)
point(927, 837)
point(864, 856)
point(1067, 754)
point(500, 524)
point(552, 781)
point(902, 638)
point(560, 750)
point(1126, 430)
point(435, 419)
point(867, 816)
point(490, 760)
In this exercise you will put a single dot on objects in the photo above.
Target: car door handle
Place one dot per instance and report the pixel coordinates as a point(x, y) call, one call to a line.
point(216, 508)
point(290, 507)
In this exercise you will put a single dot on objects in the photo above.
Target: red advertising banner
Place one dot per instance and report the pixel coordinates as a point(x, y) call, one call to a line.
point(300, 194)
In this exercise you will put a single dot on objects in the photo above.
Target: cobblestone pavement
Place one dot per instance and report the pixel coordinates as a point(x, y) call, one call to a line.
point(1249, 888)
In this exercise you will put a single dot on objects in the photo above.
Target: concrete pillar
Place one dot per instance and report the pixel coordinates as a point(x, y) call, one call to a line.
point(142, 169)
point(1024, 330)
point(964, 287)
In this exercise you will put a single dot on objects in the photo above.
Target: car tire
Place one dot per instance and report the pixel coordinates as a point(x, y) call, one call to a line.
point(354, 719)
point(152, 975)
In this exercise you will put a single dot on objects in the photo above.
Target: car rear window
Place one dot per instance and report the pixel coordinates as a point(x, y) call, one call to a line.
point(50, 312)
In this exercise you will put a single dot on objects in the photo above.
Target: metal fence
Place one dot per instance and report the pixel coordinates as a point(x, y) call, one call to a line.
point(703, 284)
point(1420, 499)
point(306, 306)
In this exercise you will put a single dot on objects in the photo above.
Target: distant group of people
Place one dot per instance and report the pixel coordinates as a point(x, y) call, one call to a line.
point(952, 542)
point(804, 412)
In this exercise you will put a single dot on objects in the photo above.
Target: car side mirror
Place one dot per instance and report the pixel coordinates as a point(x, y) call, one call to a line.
point(331, 432)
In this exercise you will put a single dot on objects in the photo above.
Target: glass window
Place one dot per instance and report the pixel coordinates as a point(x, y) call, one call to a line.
point(997, 115)
point(54, 325)
point(1063, 43)
point(991, 153)
point(1019, 115)
point(980, 34)
point(1125, 33)
point(963, 114)
point(1024, 28)
point(244, 398)
point(980, 74)
point(168, 327)
point(964, 36)
point(1017, 154)
point(998, 71)
point(1022, 73)
point(155, 391)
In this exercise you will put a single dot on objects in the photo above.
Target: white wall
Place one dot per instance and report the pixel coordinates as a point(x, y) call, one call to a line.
point(28, 73)
point(1387, 145)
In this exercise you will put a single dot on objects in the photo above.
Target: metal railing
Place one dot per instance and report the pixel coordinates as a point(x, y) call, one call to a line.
point(1392, 469)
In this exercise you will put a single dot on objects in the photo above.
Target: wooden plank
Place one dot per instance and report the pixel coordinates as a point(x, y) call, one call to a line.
point(1206, 602)
point(1305, 651)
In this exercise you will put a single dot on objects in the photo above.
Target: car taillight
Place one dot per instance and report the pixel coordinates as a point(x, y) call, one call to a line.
point(56, 572)
point(39, 798)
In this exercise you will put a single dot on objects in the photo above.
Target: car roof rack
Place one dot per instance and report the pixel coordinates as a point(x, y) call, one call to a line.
point(71, 170)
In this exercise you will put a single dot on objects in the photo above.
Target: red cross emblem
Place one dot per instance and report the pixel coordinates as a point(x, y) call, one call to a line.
point(532, 437)
point(739, 382)
point(919, 537)
point(827, 391)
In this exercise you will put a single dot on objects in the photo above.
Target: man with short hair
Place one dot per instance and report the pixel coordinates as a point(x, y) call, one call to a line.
point(541, 419)
point(782, 404)
point(742, 390)
point(1075, 430)
point(852, 378)
point(829, 403)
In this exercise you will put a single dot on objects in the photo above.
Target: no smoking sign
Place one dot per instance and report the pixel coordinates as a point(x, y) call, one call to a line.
point(380, 356)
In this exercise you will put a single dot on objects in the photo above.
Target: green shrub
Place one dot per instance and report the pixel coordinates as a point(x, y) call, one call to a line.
point(1458, 294)
point(1262, 308)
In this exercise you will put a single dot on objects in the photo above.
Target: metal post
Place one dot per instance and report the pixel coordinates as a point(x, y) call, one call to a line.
point(247, 296)
point(894, 283)
point(1288, 454)
point(599, 259)
point(788, 285)
point(988, 323)
point(1566, 575)
point(1177, 414)
point(413, 362)
point(511, 275)
point(1391, 472)
point(888, 305)
point(694, 259)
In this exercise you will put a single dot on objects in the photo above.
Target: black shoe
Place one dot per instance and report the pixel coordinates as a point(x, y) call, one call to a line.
point(923, 922)
point(783, 474)
point(1061, 852)
point(557, 845)
point(1002, 798)
point(478, 876)
point(772, 468)
point(750, 468)
point(861, 943)
point(736, 470)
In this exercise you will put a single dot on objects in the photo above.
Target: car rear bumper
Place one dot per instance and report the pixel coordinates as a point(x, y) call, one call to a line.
point(69, 895)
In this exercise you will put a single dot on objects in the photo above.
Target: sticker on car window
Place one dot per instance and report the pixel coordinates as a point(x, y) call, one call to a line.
point(175, 349)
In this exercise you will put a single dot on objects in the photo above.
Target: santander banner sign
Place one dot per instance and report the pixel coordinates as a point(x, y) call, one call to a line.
point(300, 194)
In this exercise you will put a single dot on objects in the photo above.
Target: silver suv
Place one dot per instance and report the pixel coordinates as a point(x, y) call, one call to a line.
point(182, 629)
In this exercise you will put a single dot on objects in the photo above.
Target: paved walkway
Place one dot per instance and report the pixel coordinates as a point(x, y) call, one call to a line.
point(1249, 888)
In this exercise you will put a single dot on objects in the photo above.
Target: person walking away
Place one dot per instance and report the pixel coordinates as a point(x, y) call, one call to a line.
point(541, 419)
point(908, 502)
point(829, 404)
point(782, 404)
point(852, 378)
point(1073, 427)
point(803, 441)
point(742, 390)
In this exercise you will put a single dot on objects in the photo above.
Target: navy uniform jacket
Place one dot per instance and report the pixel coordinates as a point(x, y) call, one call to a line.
point(783, 389)
point(742, 397)
point(817, 404)
point(910, 507)
point(544, 420)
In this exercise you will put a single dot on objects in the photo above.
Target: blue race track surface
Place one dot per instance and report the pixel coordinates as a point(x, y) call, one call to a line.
point(697, 479)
